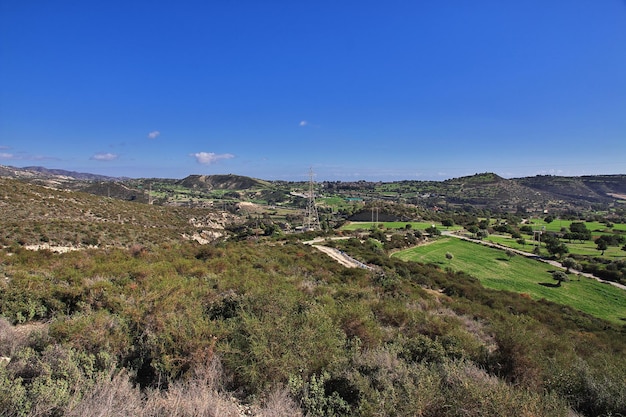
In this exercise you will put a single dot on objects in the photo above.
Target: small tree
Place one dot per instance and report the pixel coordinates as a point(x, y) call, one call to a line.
point(510, 253)
point(601, 245)
point(554, 246)
point(433, 231)
point(449, 256)
point(560, 277)
point(570, 263)
point(447, 222)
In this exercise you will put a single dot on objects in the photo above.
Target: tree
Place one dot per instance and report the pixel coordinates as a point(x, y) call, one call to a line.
point(560, 277)
point(447, 222)
point(570, 263)
point(433, 231)
point(473, 229)
point(509, 253)
point(602, 245)
point(554, 246)
point(449, 256)
point(578, 231)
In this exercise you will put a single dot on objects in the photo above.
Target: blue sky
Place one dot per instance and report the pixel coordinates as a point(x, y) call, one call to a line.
point(355, 90)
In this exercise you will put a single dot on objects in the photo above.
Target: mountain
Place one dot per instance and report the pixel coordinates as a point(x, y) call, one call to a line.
point(489, 189)
point(36, 215)
point(485, 190)
point(221, 182)
point(594, 189)
point(70, 174)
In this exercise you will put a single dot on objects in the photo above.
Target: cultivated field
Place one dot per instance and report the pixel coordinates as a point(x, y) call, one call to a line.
point(519, 274)
point(397, 225)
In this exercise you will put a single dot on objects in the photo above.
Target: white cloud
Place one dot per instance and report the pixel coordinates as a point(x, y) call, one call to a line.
point(208, 158)
point(5, 155)
point(303, 123)
point(104, 157)
point(154, 134)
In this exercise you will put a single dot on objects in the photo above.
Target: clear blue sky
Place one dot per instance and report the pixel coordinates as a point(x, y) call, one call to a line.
point(354, 90)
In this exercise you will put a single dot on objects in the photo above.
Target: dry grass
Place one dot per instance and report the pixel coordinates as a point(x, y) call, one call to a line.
point(201, 395)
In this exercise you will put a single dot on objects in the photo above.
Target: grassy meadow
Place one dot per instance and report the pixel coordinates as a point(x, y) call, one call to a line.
point(588, 248)
point(596, 228)
point(397, 225)
point(519, 274)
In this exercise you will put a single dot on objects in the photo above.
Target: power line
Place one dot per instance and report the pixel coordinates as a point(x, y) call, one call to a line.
point(311, 218)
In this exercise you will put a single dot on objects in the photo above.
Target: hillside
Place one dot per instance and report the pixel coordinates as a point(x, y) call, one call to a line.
point(480, 191)
point(490, 190)
point(146, 322)
point(594, 189)
point(37, 215)
point(221, 182)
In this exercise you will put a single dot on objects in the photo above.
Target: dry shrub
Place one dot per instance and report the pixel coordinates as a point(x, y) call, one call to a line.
point(137, 250)
point(10, 339)
point(201, 395)
point(189, 399)
point(279, 403)
point(112, 396)
point(13, 338)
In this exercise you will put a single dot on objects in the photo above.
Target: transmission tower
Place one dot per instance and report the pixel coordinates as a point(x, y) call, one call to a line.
point(311, 218)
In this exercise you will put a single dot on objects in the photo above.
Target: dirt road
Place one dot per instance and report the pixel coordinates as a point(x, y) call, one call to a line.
point(336, 254)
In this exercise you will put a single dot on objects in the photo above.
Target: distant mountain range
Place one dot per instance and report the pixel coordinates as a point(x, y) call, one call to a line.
point(480, 190)
point(37, 172)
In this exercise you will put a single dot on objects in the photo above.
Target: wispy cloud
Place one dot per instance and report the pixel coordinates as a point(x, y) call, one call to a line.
point(104, 157)
point(154, 134)
point(208, 158)
point(303, 123)
point(21, 156)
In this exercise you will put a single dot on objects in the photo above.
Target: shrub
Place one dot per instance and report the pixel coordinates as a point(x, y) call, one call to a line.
point(316, 397)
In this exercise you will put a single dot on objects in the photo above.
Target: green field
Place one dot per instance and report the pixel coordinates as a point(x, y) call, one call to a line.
point(519, 274)
point(556, 225)
point(397, 225)
point(587, 248)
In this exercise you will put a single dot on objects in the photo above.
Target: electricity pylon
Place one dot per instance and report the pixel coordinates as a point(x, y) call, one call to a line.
point(311, 218)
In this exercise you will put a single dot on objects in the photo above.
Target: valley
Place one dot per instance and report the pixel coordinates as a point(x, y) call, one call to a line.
point(167, 295)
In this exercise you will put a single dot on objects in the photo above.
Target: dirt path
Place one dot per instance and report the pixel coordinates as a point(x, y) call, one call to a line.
point(339, 256)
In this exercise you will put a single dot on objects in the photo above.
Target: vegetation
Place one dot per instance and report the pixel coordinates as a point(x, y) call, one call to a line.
point(526, 276)
point(144, 320)
point(152, 319)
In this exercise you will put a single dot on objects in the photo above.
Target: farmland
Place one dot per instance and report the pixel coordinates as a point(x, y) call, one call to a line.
point(396, 225)
point(496, 270)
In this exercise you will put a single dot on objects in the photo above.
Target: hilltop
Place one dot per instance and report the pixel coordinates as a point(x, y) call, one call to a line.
point(483, 191)
point(221, 182)
point(34, 215)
